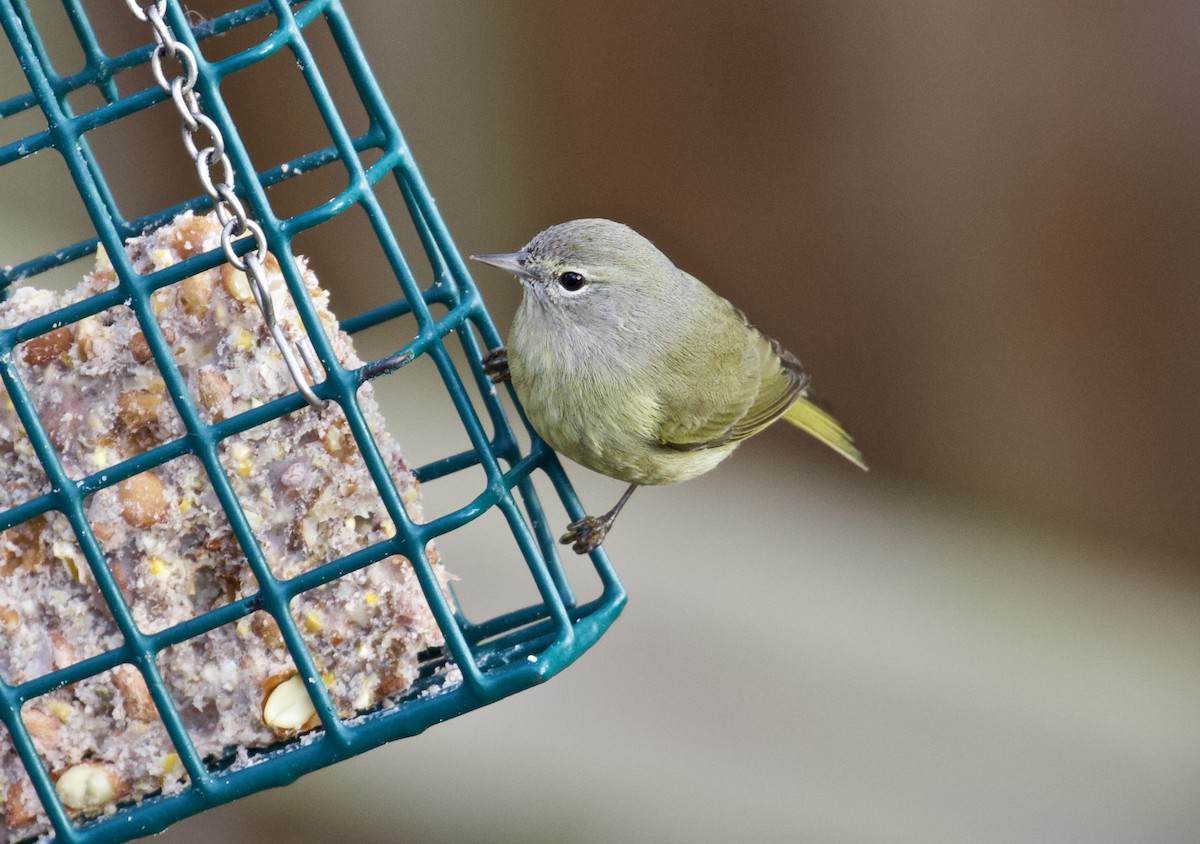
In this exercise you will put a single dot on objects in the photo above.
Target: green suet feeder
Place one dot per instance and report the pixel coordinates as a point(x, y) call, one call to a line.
point(495, 656)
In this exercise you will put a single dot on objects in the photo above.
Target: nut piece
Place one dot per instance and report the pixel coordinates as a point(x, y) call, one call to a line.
point(138, 409)
point(103, 269)
point(140, 346)
point(88, 332)
point(287, 709)
point(138, 703)
point(23, 550)
point(236, 283)
point(158, 302)
point(266, 629)
point(213, 387)
point(104, 532)
point(143, 502)
point(338, 441)
point(20, 805)
point(63, 654)
point(88, 786)
point(189, 234)
point(43, 727)
point(195, 292)
point(41, 350)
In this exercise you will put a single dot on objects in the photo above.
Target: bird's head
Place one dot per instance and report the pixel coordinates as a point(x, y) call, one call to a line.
point(591, 269)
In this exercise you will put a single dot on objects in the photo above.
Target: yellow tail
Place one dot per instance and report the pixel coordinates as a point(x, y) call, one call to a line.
point(813, 420)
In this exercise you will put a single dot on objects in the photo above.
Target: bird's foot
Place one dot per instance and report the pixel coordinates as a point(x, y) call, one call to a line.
point(495, 365)
point(585, 535)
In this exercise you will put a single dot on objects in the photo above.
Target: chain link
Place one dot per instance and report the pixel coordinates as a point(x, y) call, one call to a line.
point(209, 153)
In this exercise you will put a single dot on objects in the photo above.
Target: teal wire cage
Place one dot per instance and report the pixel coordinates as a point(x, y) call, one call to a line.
point(497, 656)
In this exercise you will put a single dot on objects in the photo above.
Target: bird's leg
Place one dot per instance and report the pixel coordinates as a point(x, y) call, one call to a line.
point(585, 535)
point(495, 365)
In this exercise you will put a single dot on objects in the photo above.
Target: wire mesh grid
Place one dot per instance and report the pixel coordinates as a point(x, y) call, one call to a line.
point(498, 655)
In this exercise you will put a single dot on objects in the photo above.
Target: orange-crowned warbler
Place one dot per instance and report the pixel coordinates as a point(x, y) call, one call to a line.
point(630, 366)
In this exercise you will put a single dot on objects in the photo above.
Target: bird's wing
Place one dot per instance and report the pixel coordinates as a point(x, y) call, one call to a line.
point(781, 381)
point(743, 397)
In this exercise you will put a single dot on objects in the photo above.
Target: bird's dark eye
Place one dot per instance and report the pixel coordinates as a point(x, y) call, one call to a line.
point(571, 281)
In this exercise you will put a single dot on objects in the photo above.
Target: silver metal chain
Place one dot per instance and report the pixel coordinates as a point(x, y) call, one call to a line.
point(209, 153)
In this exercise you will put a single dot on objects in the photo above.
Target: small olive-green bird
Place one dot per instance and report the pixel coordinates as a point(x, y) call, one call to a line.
point(629, 365)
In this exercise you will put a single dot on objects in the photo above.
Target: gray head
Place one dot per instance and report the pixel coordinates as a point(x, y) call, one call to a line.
point(594, 267)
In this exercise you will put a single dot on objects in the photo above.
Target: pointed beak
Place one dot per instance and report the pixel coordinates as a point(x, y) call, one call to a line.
point(513, 262)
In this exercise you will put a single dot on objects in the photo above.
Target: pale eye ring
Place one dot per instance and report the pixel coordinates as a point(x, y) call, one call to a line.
point(571, 281)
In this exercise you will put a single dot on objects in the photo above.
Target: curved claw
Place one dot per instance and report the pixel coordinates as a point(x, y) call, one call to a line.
point(495, 365)
point(585, 535)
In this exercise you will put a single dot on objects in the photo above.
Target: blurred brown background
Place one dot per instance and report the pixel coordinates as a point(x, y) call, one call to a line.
point(977, 224)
